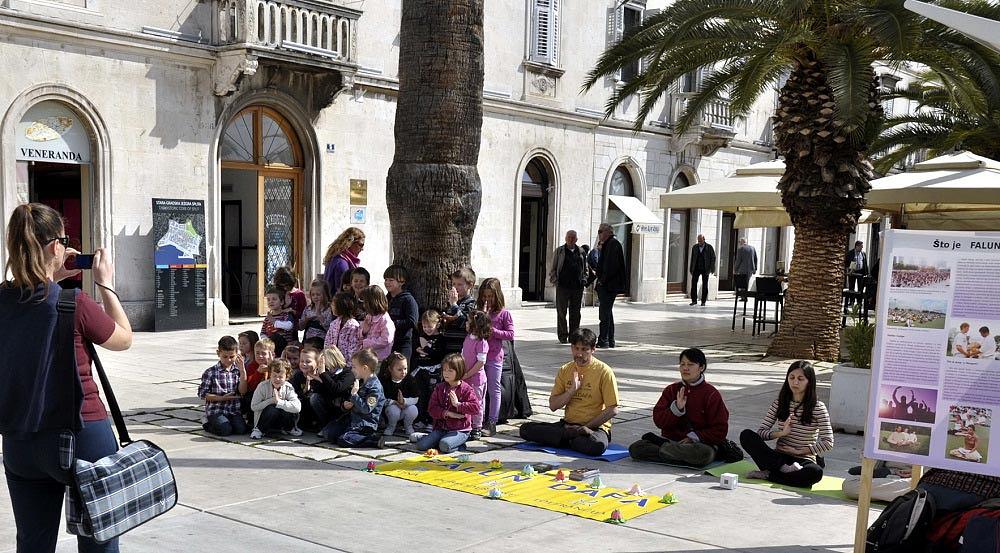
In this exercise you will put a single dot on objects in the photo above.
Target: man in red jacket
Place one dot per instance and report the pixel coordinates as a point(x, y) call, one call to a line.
point(691, 416)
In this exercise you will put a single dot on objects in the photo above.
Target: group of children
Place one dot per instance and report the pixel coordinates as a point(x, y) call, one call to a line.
point(366, 363)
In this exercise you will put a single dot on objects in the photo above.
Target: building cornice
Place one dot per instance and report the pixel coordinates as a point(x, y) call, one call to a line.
point(45, 28)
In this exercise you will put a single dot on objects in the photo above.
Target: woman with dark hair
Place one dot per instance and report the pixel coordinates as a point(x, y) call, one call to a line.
point(691, 415)
point(46, 393)
point(804, 432)
point(342, 256)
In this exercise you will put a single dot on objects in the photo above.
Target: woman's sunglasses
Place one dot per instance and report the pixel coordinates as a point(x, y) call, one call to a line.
point(64, 240)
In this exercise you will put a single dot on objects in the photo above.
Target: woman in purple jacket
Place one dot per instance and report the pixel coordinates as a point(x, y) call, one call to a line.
point(342, 256)
point(452, 405)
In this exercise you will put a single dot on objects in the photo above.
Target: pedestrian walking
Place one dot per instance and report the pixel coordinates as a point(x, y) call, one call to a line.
point(611, 281)
point(702, 265)
point(569, 274)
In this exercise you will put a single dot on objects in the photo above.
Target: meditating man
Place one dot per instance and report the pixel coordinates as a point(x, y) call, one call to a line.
point(692, 418)
point(587, 389)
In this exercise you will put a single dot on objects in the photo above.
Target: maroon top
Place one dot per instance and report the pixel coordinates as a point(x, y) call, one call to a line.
point(705, 414)
point(92, 324)
point(468, 404)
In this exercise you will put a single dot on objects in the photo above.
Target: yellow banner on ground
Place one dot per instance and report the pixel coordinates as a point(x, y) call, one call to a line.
point(539, 490)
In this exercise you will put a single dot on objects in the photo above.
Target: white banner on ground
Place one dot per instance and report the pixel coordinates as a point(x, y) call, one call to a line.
point(935, 371)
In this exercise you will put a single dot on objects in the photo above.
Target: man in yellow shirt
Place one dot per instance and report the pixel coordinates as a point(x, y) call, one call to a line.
point(587, 389)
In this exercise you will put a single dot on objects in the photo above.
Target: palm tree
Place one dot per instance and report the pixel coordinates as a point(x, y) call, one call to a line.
point(947, 118)
point(433, 190)
point(827, 111)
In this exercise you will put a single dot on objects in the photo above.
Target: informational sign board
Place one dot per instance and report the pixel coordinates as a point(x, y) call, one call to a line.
point(935, 371)
point(180, 264)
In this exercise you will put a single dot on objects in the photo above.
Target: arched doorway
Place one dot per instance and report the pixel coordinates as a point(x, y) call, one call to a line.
point(533, 235)
point(678, 241)
point(621, 185)
point(262, 168)
point(53, 162)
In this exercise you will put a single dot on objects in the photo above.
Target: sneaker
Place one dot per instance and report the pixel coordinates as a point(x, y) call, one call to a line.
point(490, 429)
point(417, 436)
point(476, 434)
point(295, 431)
point(408, 430)
point(381, 442)
point(256, 434)
point(421, 426)
point(387, 432)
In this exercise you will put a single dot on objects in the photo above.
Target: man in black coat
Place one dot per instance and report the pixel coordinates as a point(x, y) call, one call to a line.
point(611, 281)
point(856, 265)
point(702, 265)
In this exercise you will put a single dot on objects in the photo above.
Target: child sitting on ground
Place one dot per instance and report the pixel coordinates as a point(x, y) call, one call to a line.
point(475, 350)
point(359, 428)
point(377, 329)
point(220, 390)
point(400, 392)
point(344, 328)
point(263, 354)
point(314, 387)
point(278, 321)
point(427, 361)
point(317, 316)
point(275, 405)
point(452, 406)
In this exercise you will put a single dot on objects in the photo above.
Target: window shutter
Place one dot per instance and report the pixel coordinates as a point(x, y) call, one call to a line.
point(616, 28)
point(545, 29)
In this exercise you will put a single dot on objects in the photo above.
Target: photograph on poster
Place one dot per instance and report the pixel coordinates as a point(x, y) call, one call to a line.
point(904, 438)
point(968, 433)
point(917, 312)
point(915, 271)
point(971, 339)
point(907, 403)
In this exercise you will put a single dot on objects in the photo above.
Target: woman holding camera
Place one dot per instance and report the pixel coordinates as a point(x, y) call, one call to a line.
point(44, 396)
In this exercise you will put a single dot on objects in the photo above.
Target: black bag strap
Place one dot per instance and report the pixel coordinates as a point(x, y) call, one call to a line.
point(109, 395)
point(65, 349)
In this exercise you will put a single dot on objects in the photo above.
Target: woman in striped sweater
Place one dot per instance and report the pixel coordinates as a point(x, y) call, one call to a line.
point(804, 432)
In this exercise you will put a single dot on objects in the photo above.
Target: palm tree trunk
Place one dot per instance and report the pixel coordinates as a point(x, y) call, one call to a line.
point(433, 190)
point(810, 325)
point(823, 187)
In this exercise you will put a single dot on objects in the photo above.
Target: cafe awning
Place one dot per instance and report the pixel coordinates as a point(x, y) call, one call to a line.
point(754, 187)
point(644, 221)
point(984, 30)
point(952, 183)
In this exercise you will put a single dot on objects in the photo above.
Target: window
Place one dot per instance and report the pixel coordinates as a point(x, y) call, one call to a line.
point(631, 19)
point(545, 32)
point(889, 84)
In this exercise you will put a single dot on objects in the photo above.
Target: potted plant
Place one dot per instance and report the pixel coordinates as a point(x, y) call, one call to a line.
point(849, 386)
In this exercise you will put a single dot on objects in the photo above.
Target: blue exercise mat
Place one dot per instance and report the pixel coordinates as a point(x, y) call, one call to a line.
point(614, 452)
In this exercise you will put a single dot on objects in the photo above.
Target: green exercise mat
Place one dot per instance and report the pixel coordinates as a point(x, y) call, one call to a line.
point(829, 486)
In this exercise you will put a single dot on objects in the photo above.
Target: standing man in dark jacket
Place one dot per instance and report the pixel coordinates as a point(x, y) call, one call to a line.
point(856, 265)
point(569, 274)
point(702, 265)
point(611, 281)
point(745, 266)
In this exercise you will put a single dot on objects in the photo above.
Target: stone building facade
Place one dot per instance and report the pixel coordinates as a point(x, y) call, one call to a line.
point(279, 113)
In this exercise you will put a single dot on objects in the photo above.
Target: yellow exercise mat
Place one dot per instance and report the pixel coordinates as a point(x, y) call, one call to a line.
point(829, 486)
point(540, 490)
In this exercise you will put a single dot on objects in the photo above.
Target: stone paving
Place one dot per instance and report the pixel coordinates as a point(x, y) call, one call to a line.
point(301, 494)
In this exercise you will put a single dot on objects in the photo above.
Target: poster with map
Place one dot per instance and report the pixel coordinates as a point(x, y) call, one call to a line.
point(179, 257)
point(935, 367)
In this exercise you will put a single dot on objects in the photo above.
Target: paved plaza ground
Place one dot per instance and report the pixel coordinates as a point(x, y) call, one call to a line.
point(302, 496)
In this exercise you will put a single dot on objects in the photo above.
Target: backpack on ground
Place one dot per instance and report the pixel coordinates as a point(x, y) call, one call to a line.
point(902, 526)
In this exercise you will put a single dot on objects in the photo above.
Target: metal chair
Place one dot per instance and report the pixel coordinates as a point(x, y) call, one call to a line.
point(769, 290)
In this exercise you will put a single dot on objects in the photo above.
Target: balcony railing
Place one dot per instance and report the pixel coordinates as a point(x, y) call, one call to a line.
point(715, 115)
point(317, 27)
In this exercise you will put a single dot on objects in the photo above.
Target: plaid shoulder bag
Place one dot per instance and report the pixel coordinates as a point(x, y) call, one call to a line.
point(115, 494)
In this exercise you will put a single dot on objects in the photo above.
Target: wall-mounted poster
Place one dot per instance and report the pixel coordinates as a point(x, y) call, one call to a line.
point(935, 367)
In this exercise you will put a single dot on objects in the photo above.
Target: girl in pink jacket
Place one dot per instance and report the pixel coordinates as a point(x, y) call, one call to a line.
point(377, 329)
point(452, 405)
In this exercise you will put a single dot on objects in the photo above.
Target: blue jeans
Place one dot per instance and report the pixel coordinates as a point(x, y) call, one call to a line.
point(37, 485)
point(224, 425)
point(339, 431)
point(445, 441)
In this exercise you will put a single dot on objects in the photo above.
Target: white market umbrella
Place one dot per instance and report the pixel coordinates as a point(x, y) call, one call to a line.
point(984, 30)
point(959, 191)
point(751, 193)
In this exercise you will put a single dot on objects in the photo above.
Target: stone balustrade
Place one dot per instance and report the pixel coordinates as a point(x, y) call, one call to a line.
point(318, 27)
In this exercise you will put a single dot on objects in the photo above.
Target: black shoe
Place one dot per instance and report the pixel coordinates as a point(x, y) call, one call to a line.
point(694, 303)
point(703, 304)
point(611, 344)
point(602, 345)
point(563, 340)
point(490, 429)
point(476, 434)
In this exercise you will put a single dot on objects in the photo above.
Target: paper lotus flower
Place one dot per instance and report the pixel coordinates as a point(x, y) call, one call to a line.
point(597, 483)
point(616, 517)
point(431, 453)
point(370, 467)
point(560, 476)
point(636, 489)
point(494, 493)
point(496, 464)
point(668, 498)
point(528, 470)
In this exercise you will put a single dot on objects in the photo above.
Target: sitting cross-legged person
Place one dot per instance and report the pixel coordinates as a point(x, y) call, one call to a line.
point(692, 418)
point(587, 389)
